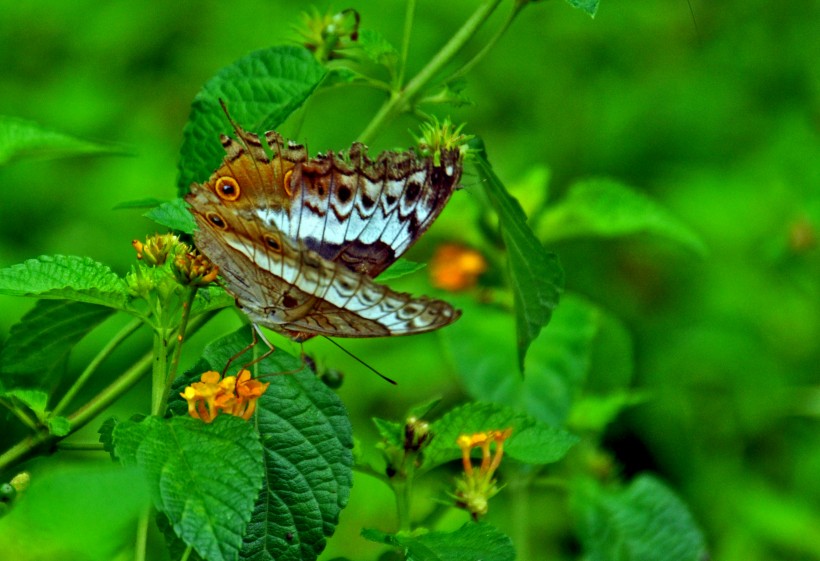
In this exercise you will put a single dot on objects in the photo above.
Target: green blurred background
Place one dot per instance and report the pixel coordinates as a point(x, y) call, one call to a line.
point(716, 119)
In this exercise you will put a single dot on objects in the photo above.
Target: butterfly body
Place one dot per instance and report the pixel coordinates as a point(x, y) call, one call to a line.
point(299, 240)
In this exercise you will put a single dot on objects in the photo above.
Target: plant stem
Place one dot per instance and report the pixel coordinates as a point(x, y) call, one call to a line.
point(183, 326)
point(141, 543)
point(123, 334)
point(488, 46)
point(82, 416)
point(405, 43)
point(159, 369)
point(404, 494)
point(402, 101)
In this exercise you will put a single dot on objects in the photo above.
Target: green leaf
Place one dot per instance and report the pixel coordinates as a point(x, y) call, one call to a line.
point(535, 274)
point(147, 203)
point(593, 413)
point(377, 48)
point(400, 268)
point(35, 400)
point(390, 431)
point(261, 90)
point(636, 523)
point(469, 543)
point(307, 441)
point(532, 441)
point(174, 215)
point(47, 333)
point(588, 6)
point(204, 477)
point(556, 365)
point(606, 208)
point(59, 426)
point(211, 298)
point(74, 514)
point(65, 277)
point(25, 140)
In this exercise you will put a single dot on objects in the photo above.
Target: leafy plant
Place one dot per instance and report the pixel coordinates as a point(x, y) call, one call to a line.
point(274, 488)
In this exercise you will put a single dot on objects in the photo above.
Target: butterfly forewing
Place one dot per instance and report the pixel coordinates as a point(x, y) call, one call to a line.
point(298, 241)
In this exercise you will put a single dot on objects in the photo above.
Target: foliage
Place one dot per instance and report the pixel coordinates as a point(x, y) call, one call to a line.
point(657, 380)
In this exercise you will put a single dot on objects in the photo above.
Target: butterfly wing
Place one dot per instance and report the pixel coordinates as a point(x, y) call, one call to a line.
point(283, 285)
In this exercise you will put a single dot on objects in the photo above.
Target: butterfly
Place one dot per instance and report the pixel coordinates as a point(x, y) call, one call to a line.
point(298, 240)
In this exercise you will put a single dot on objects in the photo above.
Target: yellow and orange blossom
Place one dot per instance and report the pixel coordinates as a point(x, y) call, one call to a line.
point(477, 486)
point(232, 395)
point(456, 267)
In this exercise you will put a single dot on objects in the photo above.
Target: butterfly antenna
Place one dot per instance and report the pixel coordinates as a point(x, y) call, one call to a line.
point(363, 363)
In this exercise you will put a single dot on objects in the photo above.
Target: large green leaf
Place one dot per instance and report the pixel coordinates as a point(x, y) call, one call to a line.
point(64, 277)
point(606, 208)
point(46, 334)
point(557, 364)
point(643, 522)
point(307, 441)
point(535, 274)
point(203, 477)
point(24, 140)
point(261, 90)
point(532, 441)
point(469, 543)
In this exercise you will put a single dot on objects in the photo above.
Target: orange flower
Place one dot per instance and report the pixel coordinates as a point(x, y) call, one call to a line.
point(456, 267)
point(477, 487)
point(234, 396)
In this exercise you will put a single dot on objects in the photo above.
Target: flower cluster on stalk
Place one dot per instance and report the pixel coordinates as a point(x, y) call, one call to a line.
point(477, 486)
point(231, 395)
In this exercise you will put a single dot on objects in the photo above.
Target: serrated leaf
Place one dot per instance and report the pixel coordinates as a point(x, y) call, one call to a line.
point(469, 543)
point(532, 441)
point(65, 277)
point(59, 426)
point(74, 513)
point(588, 6)
point(536, 276)
point(307, 441)
point(557, 363)
point(400, 268)
point(211, 298)
point(174, 215)
point(636, 523)
point(378, 49)
point(25, 140)
point(260, 90)
point(204, 477)
point(47, 333)
point(390, 431)
point(35, 400)
point(106, 432)
point(606, 208)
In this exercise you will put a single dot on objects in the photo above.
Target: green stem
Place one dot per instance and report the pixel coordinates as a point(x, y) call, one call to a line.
point(488, 46)
point(159, 369)
point(141, 543)
point(82, 416)
point(123, 334)
point(183, 326)
point(402, 101)
point(404, 494)
point(405, 43)
point(80, 446)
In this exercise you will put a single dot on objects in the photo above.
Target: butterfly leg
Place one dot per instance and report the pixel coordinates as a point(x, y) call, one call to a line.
point(256, 336)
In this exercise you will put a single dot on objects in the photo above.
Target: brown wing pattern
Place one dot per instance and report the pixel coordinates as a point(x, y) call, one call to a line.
point(297, 241)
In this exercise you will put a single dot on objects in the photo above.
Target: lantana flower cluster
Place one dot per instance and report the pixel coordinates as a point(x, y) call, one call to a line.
point(477, 486)
point(232, 395)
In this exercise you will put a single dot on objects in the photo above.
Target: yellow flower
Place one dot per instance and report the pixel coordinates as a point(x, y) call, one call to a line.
point(476, 487)
point(194, 269)
point(214, 395)
point(456, 267)
point(157, 248)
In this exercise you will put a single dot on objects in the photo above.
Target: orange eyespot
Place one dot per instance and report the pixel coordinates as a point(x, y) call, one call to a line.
point(217, 221)
point(286, 182)
point(227, 188)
